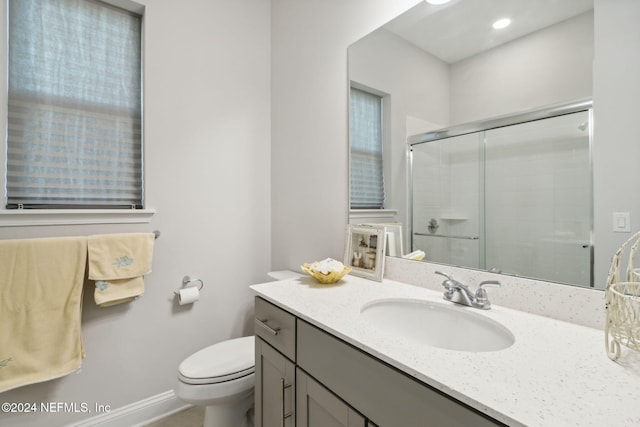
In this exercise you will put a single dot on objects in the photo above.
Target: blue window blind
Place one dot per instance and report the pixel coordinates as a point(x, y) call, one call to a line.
point(74, 137)
point(366, 172)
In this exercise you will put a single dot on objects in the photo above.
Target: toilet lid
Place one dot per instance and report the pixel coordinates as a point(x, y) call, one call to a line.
point(224, 361)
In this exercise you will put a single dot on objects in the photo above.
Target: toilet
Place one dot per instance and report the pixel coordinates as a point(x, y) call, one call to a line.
point(221, 378)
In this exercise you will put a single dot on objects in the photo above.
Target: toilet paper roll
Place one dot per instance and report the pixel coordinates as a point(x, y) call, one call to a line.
point(188, 295)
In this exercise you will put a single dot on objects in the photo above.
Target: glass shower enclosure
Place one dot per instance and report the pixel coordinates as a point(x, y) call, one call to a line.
point(510, 195)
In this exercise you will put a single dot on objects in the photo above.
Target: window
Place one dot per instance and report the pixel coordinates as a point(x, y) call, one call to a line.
point(366, 171)
point(74, 128)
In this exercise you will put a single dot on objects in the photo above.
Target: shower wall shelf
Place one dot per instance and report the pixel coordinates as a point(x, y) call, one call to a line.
point(454, 217)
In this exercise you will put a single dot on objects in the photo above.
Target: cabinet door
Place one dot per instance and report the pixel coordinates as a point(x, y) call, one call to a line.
point(275, 388)
point(318, 407)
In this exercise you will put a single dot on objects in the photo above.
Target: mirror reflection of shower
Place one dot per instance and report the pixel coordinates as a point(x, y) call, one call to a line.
point(512, 194)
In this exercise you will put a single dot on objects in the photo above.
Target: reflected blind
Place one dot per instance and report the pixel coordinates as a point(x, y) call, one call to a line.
point(366, 173)
point(74, 137)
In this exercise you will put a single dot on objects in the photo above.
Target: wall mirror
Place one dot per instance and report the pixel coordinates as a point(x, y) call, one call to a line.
point(445, 66)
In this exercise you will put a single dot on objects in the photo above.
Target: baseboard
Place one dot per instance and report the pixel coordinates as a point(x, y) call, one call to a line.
point(138, 413)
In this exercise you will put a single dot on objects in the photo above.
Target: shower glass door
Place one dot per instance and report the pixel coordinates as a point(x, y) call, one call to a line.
point(538, 199)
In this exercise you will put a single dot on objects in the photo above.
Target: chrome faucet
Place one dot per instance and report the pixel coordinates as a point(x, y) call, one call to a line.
point(461, 294)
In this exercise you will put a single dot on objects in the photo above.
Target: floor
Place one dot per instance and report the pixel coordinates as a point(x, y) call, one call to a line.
point(191, 417)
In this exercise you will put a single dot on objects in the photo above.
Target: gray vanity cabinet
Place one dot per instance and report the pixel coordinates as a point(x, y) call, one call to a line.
point(275, 366)
point(338, 385)
point(318, 407)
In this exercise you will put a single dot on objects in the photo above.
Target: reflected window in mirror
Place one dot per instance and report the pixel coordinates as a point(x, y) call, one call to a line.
point(367, 154)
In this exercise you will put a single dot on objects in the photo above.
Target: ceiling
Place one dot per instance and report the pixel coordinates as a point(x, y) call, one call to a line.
point(462, 28)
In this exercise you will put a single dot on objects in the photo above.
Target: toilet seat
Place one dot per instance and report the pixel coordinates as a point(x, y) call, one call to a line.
point(221, 362)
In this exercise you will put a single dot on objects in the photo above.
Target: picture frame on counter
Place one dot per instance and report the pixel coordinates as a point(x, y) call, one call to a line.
point(365, 250)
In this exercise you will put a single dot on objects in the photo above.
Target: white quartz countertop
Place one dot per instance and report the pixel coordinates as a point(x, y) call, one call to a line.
point(555, 374)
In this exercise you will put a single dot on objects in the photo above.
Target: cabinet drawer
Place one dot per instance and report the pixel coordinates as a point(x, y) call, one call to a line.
point(276, 326)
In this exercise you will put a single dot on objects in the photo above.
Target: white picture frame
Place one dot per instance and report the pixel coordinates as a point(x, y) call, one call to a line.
point(364, 251)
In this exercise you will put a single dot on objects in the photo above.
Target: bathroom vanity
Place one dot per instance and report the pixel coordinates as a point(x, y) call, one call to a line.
point(349, 376)
point(320, 362)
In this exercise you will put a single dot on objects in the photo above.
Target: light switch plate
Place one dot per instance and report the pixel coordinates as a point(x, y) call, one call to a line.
point(622, 222)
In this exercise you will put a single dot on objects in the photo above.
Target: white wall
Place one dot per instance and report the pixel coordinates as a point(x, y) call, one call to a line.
point(549, 66)
point(207, 152)
point(309, 121)
point(616, 101)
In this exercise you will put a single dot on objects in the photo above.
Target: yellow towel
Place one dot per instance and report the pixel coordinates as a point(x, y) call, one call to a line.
point(114, 292)
point(120, 256)
point(40, 309)
point(118, 262)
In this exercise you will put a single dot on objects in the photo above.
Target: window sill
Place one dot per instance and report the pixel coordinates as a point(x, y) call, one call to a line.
point(372, 213)
point(35, 217)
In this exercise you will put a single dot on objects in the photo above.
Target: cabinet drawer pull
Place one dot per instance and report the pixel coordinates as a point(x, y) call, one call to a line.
point(263, 324)
point(283, 387)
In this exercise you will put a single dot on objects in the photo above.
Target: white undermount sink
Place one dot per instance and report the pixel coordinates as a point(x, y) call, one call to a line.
point(446, 326)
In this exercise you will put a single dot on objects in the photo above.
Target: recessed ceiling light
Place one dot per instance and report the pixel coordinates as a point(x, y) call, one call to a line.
point(436, 2)
point(501, 23)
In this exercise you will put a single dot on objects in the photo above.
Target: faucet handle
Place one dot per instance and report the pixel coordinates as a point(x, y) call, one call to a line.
point(481, 293)
point(443, 274)
point(448, 284)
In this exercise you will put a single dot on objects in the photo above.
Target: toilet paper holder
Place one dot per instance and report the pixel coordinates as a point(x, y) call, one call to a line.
point(187, 281)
